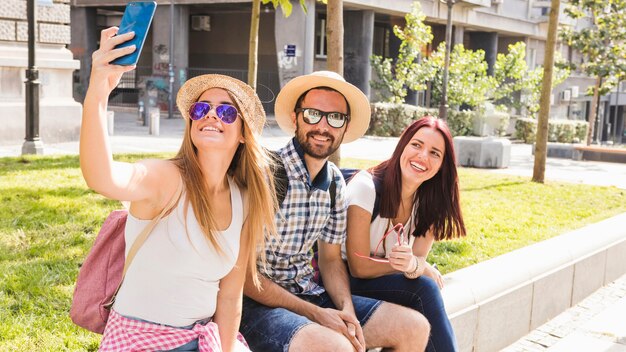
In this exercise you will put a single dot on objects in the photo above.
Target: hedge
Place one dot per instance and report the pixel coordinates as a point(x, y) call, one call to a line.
point(562, 131)
point(389, 120)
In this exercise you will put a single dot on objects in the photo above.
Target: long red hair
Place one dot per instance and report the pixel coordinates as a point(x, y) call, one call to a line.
point(438, 198)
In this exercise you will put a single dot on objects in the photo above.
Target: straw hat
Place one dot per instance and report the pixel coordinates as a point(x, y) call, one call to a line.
point(359, 104)
point(246, 99)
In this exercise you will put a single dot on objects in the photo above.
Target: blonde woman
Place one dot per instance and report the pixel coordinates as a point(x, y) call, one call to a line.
point(183, 289)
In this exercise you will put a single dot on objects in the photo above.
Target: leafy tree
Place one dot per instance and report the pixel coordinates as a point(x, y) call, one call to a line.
point(393, 79)
point(468, 82)
point(534, 80)
point(510, 73)
point(512, 77)
point(603, 45)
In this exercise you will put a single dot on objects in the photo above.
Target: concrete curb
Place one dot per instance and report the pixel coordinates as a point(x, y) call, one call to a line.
point(494, 303)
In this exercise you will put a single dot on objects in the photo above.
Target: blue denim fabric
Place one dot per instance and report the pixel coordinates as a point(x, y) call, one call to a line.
point(421, 294)
point(189, 346)
point(272, 329)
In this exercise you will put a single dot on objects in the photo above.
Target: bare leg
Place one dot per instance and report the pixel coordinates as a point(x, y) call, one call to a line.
point(314, 337)
point(397, 328)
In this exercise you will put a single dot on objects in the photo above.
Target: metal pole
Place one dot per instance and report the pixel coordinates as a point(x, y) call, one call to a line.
point(443, 104)
point(32, 143)
point(170, 108)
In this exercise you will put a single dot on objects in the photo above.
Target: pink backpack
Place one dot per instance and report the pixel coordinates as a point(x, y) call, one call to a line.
point(100, 275)
point(102, 272)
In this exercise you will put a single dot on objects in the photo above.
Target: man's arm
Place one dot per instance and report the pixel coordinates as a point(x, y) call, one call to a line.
point(337, 285)
point(333, 268)
point(272, 295)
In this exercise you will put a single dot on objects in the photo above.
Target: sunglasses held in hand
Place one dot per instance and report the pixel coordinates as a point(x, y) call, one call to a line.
point(226, 112)
point(398, 229)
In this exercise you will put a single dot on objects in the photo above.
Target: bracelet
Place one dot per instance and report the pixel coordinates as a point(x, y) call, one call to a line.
point(413, 274)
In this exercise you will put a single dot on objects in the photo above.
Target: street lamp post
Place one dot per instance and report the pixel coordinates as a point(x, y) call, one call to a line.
point(32, 143)
point(443, 104)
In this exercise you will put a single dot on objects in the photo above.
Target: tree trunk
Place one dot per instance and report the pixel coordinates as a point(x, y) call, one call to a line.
point(334, 59)
point(541, 143)
point(593, 111)
point(253, 47)
point(334, 31)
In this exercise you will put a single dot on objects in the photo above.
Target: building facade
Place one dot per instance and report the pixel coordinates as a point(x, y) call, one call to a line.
point(59, 114)
point(211, 36)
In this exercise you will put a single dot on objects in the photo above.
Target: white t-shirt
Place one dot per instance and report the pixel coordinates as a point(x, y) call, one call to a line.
point(175, 276)
point(362, 193)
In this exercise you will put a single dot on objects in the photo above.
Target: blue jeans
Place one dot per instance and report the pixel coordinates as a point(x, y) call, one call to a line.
point(272, 329)
point(421, 294)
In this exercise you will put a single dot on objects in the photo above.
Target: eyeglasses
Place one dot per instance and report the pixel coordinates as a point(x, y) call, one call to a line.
point(314, 116)
point(398, 229)
point(227, 113)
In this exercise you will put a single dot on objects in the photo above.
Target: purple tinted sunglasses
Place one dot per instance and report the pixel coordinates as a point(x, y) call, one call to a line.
point(227, 113)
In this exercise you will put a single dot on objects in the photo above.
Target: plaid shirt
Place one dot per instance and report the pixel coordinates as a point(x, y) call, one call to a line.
point(304, 217)
point(124, 334)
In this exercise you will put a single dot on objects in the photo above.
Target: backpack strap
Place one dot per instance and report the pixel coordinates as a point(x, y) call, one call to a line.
point(281, 181)
point(348, 174)
point(143, 236)
point(378, 188)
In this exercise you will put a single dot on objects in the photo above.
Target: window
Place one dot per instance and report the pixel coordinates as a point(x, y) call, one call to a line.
point(381, 40)
point(320, 39)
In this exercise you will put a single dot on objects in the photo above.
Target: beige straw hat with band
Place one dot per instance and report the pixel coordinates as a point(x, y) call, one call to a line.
point(247, 101)
point(359, 104)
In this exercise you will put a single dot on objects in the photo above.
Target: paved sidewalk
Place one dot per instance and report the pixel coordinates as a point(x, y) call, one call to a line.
point(597, 324)
point(131, 137)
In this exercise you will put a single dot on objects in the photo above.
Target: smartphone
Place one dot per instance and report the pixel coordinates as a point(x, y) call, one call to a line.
point(137, 18)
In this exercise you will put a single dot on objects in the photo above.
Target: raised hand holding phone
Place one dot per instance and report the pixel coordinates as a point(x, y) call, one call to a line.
point(137, 18)
point(105, 76)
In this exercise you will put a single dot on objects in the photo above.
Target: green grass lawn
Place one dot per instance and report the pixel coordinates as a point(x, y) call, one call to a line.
point(49, 219)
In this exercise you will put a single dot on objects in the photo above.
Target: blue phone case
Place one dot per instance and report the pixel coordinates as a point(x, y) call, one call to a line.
point(137, 17)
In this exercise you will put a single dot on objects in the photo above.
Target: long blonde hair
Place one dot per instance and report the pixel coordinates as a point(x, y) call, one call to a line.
point(250, 169)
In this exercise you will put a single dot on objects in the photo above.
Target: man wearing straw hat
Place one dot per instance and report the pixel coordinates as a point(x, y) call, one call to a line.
point(293, 312)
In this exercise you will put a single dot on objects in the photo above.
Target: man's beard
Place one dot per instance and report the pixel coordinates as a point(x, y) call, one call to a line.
point(317, 152)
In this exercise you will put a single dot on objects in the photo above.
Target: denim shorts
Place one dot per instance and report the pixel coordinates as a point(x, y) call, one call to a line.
point(272, 329)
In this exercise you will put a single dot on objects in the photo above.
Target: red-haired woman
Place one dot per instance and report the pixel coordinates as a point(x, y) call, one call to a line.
point(418, 188)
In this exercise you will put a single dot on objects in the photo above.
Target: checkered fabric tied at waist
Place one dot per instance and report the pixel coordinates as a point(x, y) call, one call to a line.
point(124, 334)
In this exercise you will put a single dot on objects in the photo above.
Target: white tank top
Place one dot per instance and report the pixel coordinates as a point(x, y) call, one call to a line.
point(175, 276)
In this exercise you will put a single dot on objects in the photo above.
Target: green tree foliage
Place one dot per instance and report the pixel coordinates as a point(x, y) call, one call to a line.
point(603, 43)
point(393, 79)
point(513, 79)
point(511, 74)
point(532, 84)
point(468, 82)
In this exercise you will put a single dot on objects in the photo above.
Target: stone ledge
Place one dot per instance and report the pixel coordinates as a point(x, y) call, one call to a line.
point(494, 303)
point(487, 152)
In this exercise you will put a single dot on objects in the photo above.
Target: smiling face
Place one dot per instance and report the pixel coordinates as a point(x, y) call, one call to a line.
point(320, 140)
point(210, 132)
point(422, 157)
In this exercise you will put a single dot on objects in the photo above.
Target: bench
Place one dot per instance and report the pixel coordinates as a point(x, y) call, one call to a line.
point(597, 153)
